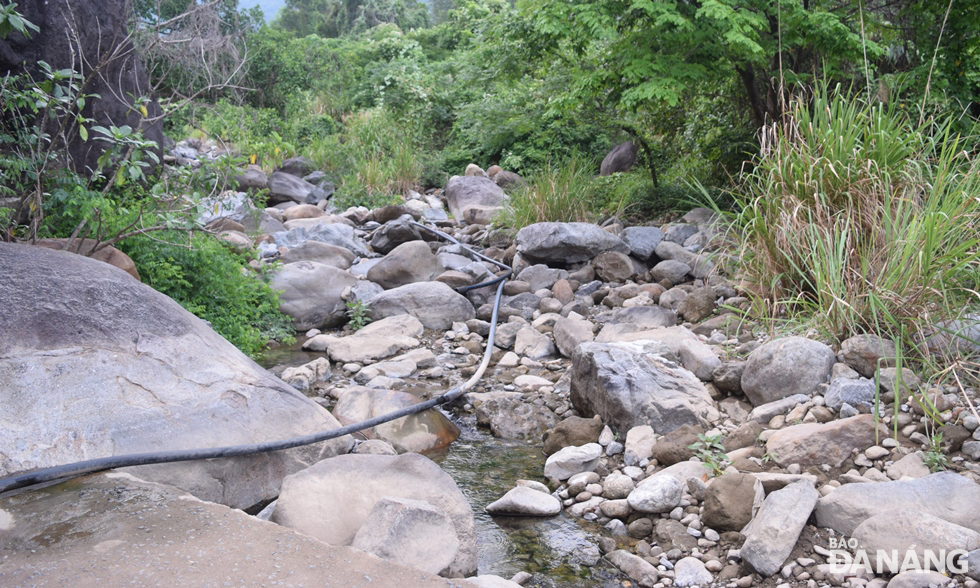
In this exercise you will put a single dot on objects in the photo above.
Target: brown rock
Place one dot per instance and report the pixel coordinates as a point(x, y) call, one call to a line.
point(562, 290)
point(698, 305)
point(863, 352)
point(573, 431)
point(302, 211)
point(730, 501)
point(107, 254)
point(613, 266)
point(674, 446)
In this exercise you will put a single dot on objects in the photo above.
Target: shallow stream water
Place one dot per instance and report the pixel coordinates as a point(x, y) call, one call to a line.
point(560, 552)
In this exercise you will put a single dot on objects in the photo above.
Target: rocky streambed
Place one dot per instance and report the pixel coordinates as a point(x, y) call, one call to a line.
point(634, 426)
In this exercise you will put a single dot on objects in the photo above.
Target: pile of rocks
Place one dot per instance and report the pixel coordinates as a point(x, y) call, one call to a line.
point(635, 326)
point(709, 453)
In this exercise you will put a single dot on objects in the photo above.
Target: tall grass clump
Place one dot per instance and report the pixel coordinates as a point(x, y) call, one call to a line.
point(858, 219)
point(558, 193)
point(377, 157)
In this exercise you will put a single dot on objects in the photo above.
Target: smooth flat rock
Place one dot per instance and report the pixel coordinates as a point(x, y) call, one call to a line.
point(435, 304)
point(428, 430)
point(899, 530)
point(115, 530)
point(569, 461)
point(94, 364)
point(379, 339)
point(410, 532)
point(525, 501)
point(820, 443)
point(946, 495)
point(773, 533)
point(332, 499)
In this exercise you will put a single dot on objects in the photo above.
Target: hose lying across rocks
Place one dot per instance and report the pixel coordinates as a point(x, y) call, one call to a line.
point(119, 461)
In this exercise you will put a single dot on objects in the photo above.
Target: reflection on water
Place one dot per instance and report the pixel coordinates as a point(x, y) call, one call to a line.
point(560, 551)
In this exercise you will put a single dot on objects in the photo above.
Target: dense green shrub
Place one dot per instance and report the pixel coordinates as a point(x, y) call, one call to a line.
point(210, 280)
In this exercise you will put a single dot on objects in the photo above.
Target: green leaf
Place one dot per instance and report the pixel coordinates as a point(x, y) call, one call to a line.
point(83, 132)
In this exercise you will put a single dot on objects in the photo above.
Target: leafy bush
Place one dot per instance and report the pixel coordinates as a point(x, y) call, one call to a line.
point(210, 280)
point(857, 219)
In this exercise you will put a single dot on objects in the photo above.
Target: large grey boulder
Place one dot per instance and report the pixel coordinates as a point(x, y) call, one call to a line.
point(429, 430)
point(786, 366)
point(474, 199)
point(406, 264)
point(435, 304)
point(285, 187)
point(619, 159)
point(566, 243)
point(311, 294)
point(332, 499)
point(94, 364)
point(631, 384)
point(410, 532)
point(116, 530)
point(773, 533)
point(946, 495)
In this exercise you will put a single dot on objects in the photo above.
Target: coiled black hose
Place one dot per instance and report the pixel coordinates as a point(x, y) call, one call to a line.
point(118, 461)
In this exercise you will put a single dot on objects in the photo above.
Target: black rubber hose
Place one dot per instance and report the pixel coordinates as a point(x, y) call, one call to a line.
point(119, 461)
